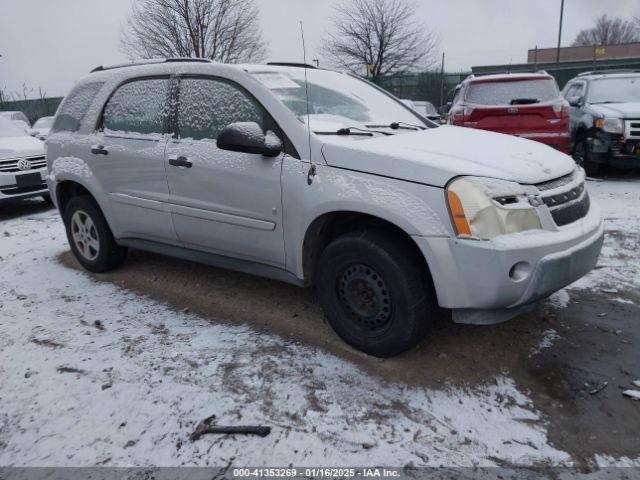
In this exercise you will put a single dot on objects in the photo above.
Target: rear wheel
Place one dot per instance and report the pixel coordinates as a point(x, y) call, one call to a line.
point(581, 157)
point(90, 237)
point(375, 294)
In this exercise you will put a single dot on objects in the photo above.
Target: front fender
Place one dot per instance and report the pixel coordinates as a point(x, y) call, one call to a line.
point(417, 209)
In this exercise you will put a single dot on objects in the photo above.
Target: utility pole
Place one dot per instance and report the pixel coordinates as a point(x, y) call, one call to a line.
point(442, 82)
point(560, 31)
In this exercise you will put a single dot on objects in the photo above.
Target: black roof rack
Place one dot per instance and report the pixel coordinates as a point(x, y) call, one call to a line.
point(291, 64)
point(609, 71)
point(151, 61)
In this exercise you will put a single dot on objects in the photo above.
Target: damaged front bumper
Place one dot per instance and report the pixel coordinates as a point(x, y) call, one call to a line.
point(487, 282)
point(614, 150)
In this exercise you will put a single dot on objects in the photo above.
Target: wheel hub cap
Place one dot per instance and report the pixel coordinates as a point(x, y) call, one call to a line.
point(85, 235)
point(365, 297)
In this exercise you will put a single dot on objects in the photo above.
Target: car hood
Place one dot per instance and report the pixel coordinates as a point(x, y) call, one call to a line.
point(436, 155)
point(618, 110)
point(22, 146)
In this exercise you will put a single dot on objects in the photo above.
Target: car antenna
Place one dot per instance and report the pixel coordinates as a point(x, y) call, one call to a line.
point(312, 168)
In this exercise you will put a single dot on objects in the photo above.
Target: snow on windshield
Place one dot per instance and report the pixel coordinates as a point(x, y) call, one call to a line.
point(9, 129)
point(503, 93)
point(615, 90)
point(334, 98)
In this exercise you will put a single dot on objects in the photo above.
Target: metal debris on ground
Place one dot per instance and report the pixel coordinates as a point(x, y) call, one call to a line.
point(205, 427)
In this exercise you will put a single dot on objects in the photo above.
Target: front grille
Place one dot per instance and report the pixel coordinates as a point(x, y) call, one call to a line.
point(632, 129)
point(11, 165)
point(571, 212)
point(558, 182)
point(566, 197)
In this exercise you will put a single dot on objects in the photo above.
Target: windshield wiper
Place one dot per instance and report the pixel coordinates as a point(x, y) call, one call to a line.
point(354, 131)
point(399, 126)
point(524, 101)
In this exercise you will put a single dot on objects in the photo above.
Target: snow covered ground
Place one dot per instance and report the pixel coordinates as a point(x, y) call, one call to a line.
point(93, 374)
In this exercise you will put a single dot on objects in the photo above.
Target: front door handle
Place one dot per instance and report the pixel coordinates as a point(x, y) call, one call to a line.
point(99, 150)
point(180, 162)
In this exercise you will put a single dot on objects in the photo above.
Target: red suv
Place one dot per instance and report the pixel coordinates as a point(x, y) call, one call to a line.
point(528, 105)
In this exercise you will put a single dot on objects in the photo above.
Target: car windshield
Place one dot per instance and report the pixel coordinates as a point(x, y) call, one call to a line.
point(430, 109)
point(44, 122)
point(9, 129)
point(335, 98)
point(615, 90)
point(509, 92)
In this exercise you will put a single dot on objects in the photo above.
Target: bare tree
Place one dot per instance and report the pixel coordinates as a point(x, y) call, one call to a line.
point(609, 31)
point(227, 31)
point(381, 37)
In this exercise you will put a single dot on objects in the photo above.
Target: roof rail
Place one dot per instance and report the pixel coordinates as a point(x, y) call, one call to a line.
point(291, 64)
point(151, 61)
point(607, 71)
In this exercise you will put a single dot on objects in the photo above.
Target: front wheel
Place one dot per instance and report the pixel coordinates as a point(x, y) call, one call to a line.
point(581, 157)
point(375, 294)
point(90, 237)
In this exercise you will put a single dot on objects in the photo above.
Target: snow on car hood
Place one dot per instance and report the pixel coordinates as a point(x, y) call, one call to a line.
point(436, 155)
point(22, 146)
point(618, 110)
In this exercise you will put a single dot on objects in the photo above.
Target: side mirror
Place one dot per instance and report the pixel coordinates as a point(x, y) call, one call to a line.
point(575, 101)
point(248, 137)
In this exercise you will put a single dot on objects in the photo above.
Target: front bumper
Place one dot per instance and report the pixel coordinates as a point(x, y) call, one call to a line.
point(13, 187)
point(614, 150)
point(489, 282)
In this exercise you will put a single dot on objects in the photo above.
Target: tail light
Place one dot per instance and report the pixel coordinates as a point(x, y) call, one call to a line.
point(461, 114)
point(561, 109)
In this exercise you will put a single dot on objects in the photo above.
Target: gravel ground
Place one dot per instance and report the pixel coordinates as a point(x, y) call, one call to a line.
point(117, 369)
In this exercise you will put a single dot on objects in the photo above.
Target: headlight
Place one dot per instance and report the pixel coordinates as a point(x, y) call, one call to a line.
point(483, 208)
point(610, 125)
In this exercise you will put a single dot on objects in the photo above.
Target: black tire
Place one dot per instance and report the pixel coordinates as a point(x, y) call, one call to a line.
point(109, 254)
point(582, 158)
point(47, 199)
point(375, 294)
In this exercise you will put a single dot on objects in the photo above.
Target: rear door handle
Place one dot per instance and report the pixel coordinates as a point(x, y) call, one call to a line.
point(99, 150)
point(180, 162)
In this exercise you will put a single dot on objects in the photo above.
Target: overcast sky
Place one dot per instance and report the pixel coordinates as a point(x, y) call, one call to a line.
point(52, 43)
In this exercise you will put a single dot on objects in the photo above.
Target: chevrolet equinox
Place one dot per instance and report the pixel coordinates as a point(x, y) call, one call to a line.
point(318, 178)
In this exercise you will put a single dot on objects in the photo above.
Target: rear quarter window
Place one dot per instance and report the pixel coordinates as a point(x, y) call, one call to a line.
point(74, 107)
point(505, 93)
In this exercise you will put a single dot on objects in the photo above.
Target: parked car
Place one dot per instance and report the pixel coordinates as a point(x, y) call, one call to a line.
point(343, 188)
point(605, 119)
point(41, 128)
point(16, 115)
point(527, 105)
point(426, 109)
point(22, 164)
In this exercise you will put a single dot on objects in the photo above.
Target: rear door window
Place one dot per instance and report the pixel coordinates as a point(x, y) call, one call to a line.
point(208, 105)
point(138, 107)
point(74, 107)
point(512, 92)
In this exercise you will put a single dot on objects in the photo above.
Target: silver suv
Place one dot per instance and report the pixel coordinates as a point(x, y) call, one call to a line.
point(321, 179)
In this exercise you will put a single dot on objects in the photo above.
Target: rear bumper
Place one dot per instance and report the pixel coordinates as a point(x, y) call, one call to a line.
point(489, 282)
point(12, 188)
point(561, 141)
